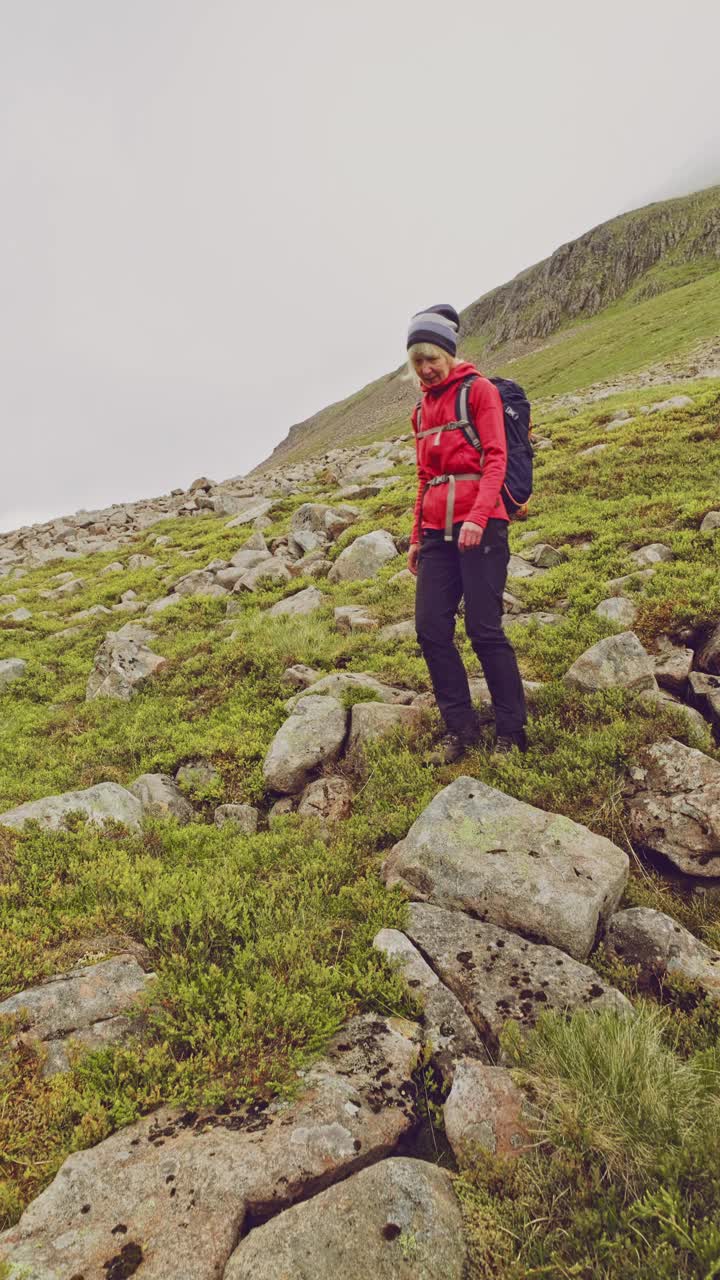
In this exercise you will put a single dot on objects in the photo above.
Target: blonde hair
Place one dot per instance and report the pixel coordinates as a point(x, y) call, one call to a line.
point(428, 350)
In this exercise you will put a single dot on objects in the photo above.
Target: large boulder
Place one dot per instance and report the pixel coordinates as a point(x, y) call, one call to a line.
point(122, 663)
point(105, 802)
point(299, 605)
point(176, 1188)
point(370, 721)
point(314, 524)
point(312, 735)
point(364, 557)
point(673, 806)
point(477, 849)
point(657, 945)
point(498, 975)
point(338, 682)
point(485, 1111)
point(447, 1030)
point(161, 797)
point(243, 510)
point(86, 1005)
point(11, 669)
point(617, 662)
point(397, 1220)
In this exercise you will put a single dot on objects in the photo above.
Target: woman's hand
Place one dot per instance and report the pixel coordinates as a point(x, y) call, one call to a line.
point(470, 536)
point(413, 553)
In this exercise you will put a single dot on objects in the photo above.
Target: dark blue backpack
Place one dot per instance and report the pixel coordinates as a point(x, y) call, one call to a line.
point(517, 485)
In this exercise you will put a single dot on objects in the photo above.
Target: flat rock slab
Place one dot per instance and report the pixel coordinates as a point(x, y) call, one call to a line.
point(477, 849)
point(370, 721)
point(302, 603)
point(497, 975)
point(447, 1028)
point(173, 1190)
point(107, 801)
point(82, 1005)
point(485, 1111)
point(657, 945)
point(312, 735)
point(338, 682)
point(673, 806)
point(617, 662)
point(121, 664)
point(398, 1220)
point(364, 558)
point(11, 669)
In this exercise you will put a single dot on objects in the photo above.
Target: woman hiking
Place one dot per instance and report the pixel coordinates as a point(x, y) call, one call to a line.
point(459, 544)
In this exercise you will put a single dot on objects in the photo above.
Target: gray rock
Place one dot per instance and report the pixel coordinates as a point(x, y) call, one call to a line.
point(539, 617)
point(139, 561)
point(673, 665)
point(370, 721)
point(299, 605)
point(18, 615)
point(243, 816)
point(657, 945)
point(164, 602)
point(327, 799)
point(84, 1005)
point(11, 669)
point(617, 662)
point(403, 576)
point(4, 600)
point(653, 553)
point(476, 849)
point(673, 806)
point(617, 586)
point(364, 557)
point(354, 617)
point(398, 630)
point(594, 449)
point(300, 676)
point(107, 801)
point(398, 1220)
point(115, 567)
point(693, 717)
point(199, 583)
point(161, 797)
point(243, 510)
point(183, 1183)
point(197, 774)
point(710, 521)
point(270, 572)
point(617, 609)
point(447, 1030)
point(122, 663)
point(675, 402)
point(249, 557)
point(708, 658)
point(485, 1111)
point(520, 568)
point(314, 524)
point(312, 735)
point(337, 682)
point(280, 809)
point(497, 975)
point(705, 692)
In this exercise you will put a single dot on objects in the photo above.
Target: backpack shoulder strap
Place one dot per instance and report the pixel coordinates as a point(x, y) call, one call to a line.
point(464, 414)
point(418, 416)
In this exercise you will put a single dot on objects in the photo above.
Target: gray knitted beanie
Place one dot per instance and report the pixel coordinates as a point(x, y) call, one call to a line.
point(438, 325)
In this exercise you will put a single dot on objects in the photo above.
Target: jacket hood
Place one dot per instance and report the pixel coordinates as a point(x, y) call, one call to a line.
point(457, 374)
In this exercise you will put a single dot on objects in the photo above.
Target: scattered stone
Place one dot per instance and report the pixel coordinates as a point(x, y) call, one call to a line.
point(337, 682)
point(539, 617)
point(354, 617)
point(593, 449)
point(161, 797)
point(299, 605)
point(485, 1111)
point(328, 799)
point(477, 849)
point(370, 721)
point(617, 662)
point(107, 801)
point(139, 561)
point(196, 1176)
point(313, 735)
point(244, 510)
point(8, 600)
point(708, 658)
point(197, 774)
point(616, 586)
point(280, 809)
point(520, 568)
point(497, 975)
point(314, 524)
point(653, 553)
point(675, 402)
point(19, 615)
point(710, 521)
point(122, 663)
point(300, 676)
point(617, 609)
point(11, 669)
point(447, 1028)
point(657, 945)
point(673, 806)
point(201, 484)
point(398, 630)
point(397, 1220)
point(270, 572)
point(403, 576)
point(543, 556)
point(85, 1006)
point(705, 692)
point(364, 557)
point(158, 606)
point(243, 816)
point(198, 583)
point(673, 665)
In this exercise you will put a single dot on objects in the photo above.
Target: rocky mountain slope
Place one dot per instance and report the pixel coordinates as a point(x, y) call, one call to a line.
point(644, 286)
point(278, 998)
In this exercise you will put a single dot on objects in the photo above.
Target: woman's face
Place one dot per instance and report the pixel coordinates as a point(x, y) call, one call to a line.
point(432, 369)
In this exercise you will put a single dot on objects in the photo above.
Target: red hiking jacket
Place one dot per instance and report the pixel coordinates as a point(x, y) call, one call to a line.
point(452, 453)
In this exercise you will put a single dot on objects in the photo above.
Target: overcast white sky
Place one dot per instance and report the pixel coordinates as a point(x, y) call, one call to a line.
point(217, 216)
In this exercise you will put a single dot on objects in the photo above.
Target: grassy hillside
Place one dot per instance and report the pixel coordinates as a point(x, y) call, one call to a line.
point(630, 293)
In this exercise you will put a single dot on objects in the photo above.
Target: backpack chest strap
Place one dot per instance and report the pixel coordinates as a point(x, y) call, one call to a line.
point(449, 480)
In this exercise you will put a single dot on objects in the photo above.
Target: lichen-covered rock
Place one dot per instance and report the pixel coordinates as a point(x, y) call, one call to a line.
point(243, 816)
point(617, 586)
point(354, 617)
point(673, 806)
point(617, 609)
point(301, 676)
point(161, 797)
point(617, 662)
point(197, 774)
point(398, 1220)
point(708, 658)
point(370, 721)
point(477, 849)
point(673, 664)
point(327, 799)
point(653, 553)
point(337, 682)
point(85, 1005)
point(498, 975)
point(270, 571)
point(485, 1111)
point(107, 801)
point(174, 1190)
point(11, 669)
point(364, 557)
point(200, 582)
point(398, 630)
point(543, 556)
point(122, 663)
point(657, 945)
point(312, 735)
point(710, 522)
point(705, 692)
point(299, 605)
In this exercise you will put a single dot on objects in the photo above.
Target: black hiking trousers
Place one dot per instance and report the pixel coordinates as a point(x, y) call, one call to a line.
point(446, 575)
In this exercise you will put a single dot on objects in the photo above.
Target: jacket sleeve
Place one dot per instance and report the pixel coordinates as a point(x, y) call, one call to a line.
point(487, 412)
point(423, 477)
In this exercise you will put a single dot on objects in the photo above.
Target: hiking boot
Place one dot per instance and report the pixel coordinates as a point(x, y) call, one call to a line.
point(505, 742)
point(452, 747)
